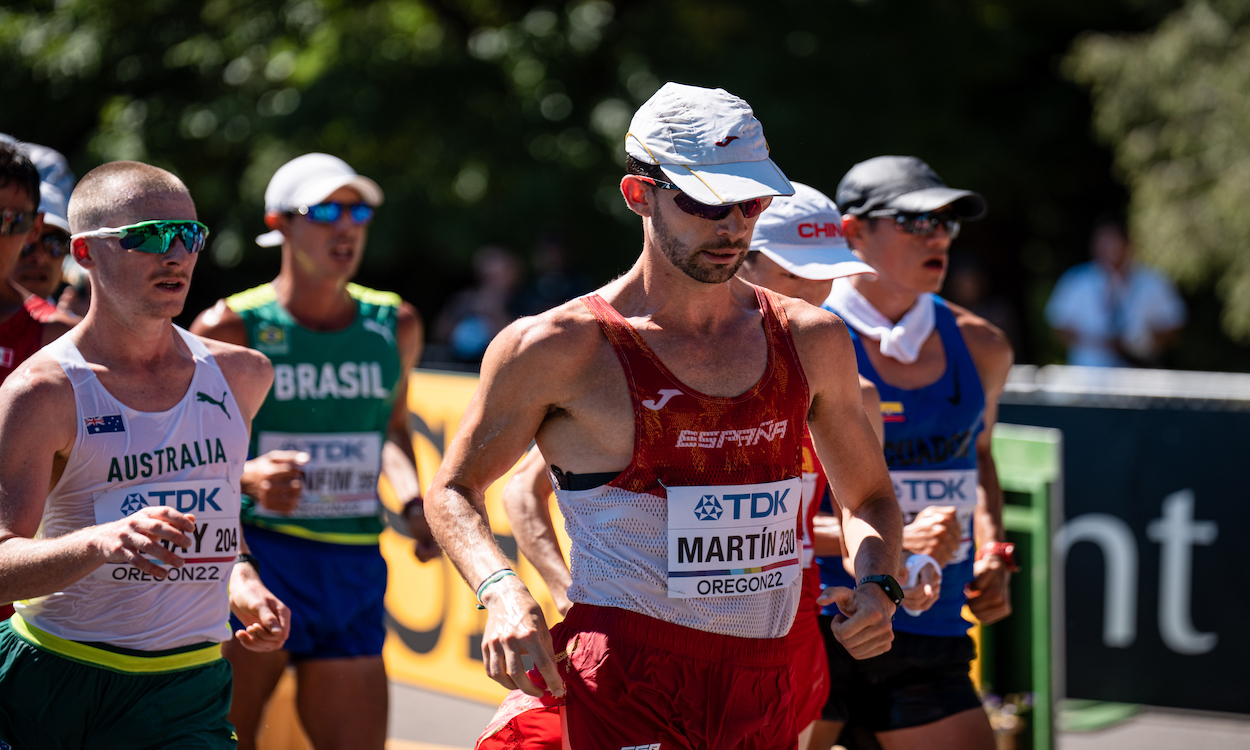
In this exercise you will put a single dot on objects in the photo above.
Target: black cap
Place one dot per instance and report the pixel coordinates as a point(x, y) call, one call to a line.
point(903, 183)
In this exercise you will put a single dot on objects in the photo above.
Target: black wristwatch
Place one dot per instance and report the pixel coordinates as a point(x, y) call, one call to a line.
point(888, 585)
point(249, 559)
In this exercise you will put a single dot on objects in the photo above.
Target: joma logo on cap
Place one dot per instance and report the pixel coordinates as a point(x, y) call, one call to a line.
point(727, 141)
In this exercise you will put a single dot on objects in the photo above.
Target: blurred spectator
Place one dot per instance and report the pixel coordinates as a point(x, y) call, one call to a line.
point(553, 283)
point(1113, 311)
point(38, 267)
point(968, 285)
point(36, 272)
point(75, 298)
point(473, 316)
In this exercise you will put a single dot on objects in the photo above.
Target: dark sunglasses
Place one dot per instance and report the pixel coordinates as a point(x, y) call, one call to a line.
point(328, 213)
point(750, 209)
point(13, 221)
point(923, 224)
point(55, 245)
point(155, 236)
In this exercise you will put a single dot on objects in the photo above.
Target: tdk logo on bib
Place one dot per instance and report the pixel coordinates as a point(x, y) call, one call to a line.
point(182, 499)
point(133, 503)
point(708, 509)
point(756, 505)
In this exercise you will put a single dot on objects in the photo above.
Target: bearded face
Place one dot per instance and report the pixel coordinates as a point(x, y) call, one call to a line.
point(690, 261)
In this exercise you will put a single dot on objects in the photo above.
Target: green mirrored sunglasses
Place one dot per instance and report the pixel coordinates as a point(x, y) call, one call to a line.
point(154, 236)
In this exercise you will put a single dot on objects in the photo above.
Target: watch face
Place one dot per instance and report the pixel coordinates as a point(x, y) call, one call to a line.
point(887, 584)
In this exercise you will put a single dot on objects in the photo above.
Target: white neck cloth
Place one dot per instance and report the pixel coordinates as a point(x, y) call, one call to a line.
point(901, 341)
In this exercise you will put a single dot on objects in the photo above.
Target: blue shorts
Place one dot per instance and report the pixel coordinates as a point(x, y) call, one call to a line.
point(335, 593)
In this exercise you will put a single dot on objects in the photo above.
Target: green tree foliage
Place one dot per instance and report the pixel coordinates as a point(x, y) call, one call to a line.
point(497, 120)
point(1174, 104)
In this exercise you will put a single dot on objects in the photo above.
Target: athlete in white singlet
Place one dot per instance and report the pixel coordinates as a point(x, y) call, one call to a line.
point(119, 496)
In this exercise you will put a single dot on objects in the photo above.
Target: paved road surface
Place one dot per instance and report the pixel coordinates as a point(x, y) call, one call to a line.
point(424, 720)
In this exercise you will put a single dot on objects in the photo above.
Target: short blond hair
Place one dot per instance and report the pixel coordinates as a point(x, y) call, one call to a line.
point(110, 189)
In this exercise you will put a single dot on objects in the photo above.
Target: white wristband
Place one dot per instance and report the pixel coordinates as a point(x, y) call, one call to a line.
point(915, 564)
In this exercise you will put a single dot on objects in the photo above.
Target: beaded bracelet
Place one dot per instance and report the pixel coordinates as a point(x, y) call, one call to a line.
point(495, 577)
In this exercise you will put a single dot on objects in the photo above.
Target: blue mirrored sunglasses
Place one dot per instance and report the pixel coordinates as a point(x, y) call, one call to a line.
point(328, 213)
point(154, 236)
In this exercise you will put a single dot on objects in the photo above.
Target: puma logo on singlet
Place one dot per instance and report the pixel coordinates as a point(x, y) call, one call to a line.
point(202, 396)
point(665, 395)
point(379, 329)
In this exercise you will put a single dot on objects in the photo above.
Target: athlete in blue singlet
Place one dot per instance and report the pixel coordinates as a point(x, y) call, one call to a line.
point(939, 370)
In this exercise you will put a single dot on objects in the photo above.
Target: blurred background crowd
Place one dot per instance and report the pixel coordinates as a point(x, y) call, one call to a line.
point(1110, 140)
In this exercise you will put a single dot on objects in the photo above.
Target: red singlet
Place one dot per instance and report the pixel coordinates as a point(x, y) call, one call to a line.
point(643, 669)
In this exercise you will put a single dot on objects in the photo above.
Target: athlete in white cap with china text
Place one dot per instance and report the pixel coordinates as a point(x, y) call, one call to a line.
point(671, 404)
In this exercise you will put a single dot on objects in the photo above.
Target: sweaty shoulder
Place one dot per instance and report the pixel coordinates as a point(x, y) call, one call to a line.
point(989, 347)
point(222, 323)
point(816, 331)
point(824, 346)
point(248, 372)
point(38, 399)
point(569, 332)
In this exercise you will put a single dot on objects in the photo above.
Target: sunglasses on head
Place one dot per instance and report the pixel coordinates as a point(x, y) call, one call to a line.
point(750, 209)
point(923, 224)
point(328, 213)
point(154, 236)
point(56, 245)
point(13, 221)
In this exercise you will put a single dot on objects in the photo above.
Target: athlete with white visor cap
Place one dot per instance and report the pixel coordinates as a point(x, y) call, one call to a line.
point(673, 425)
point(336, 418)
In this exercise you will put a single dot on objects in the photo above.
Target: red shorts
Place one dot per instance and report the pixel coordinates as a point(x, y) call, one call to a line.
point(636, 682)
point(811, 666)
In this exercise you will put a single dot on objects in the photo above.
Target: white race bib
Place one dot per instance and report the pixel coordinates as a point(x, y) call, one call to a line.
point(214, 544)
point(917, 490)
point(340, 478)
point(734, 539)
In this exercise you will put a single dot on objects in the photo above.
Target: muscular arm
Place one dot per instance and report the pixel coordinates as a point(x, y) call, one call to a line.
point(989, 594)
point(851, 454)
point(827, 535)
point(525, 499)
point(517, 391)
point(38, 425)
point(399, 462)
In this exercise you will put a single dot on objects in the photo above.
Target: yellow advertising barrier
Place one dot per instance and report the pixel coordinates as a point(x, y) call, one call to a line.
point(434, 628)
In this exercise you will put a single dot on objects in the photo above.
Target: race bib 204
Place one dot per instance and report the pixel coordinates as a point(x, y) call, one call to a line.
point(214, 543)
point(341, 476)
point(733, 540)
point(957, 488)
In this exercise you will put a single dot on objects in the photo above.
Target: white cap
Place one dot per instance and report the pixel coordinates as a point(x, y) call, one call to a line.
point(708, 142)
point(56, 180)
point(54, 205)
point(306, 181)
point(803, 234)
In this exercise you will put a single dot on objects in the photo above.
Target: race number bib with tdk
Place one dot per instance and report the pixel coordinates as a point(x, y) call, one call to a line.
point(214, 543)
point(734, 539)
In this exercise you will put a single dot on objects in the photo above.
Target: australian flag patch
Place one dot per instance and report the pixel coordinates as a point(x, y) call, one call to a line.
point(109, 423)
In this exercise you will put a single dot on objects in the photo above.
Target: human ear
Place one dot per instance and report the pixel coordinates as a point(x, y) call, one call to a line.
point(638, 194)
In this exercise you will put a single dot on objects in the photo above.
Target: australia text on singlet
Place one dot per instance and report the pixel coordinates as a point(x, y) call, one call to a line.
point(189, 458)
